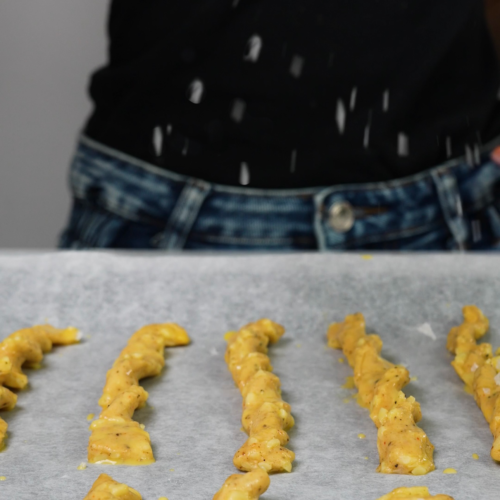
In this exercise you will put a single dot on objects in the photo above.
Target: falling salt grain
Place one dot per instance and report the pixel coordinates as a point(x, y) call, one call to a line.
point(238, 111)
point(244, 175)
point(297, 66)
point(195, 91)
point(293, 162)
point(158, 140)
point(426, 329)
point(341, 116)
point(354, 94)
point(253, 49)
point(385, 101)
point(366, 137)
point(169, 129)
point(403, 144)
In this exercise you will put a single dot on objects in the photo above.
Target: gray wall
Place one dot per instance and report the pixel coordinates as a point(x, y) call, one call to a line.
point(48, 48)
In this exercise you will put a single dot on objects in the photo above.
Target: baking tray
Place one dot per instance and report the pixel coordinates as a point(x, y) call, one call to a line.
point(193, 413)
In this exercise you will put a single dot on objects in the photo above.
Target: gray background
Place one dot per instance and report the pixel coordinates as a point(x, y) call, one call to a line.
point(48, 48)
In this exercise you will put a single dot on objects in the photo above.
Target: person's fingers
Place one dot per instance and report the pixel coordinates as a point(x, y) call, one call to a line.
point(495, 156)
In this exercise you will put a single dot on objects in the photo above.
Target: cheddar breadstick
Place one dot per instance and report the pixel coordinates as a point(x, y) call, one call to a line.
point(106, 488)
point(244, 486)
point(266, 417)
point(403, 447)
point(26, 347)
point(116, 438)
point(478, 368)
point(414, 493)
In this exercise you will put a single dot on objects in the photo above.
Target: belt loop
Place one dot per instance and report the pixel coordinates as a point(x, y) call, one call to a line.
point(451, 205)
point(184, 214)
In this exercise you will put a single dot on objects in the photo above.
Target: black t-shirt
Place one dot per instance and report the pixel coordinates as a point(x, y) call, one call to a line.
point(296, 93)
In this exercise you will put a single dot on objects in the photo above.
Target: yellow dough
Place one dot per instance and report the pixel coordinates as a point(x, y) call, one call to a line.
point(116, 438)
point(244, 486)
point(478, 368)
point(26, 347)
point(266, 417)
point(403, 447)
point(106, 488)
point(414, 493)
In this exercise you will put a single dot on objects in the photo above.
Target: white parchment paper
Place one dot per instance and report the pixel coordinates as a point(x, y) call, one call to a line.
point(194, 409)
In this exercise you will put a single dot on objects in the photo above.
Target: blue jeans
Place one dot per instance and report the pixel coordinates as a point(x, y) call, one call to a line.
point(122, 202)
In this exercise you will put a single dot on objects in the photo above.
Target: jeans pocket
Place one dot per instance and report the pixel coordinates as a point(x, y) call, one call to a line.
point(91, 226)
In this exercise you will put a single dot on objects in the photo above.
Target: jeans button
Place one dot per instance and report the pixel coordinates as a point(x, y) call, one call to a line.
point(341, 217)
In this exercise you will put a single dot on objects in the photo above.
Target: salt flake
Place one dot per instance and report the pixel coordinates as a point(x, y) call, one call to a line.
point(426, 329)
point(497, 379)
point(474, 367)
point(486, 391)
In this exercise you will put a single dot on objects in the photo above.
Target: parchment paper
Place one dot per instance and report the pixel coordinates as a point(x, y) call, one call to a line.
point(195, 410)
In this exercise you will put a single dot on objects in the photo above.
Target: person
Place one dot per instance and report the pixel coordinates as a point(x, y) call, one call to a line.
point(293, 125)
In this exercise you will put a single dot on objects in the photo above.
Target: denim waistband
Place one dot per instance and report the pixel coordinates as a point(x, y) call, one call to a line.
point(138, 191)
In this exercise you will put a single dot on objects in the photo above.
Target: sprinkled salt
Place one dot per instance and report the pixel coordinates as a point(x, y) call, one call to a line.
point(474, 367)
point(426, 329)
point(354, 94)
point(403, 144)
point(497, 379)
point(195, 91)
point(486, 391)
point(254, 47)
point(341, 116)
point(157, 140)
point(297, 66)
point(244, 175)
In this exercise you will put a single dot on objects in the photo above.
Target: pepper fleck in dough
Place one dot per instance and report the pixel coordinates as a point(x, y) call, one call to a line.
point(414, 493)
point(26, 347)
point(403, 447)
point(106, 488)
point(266, 417)
point(478, 368)
point(244, 486)
point(116, 438)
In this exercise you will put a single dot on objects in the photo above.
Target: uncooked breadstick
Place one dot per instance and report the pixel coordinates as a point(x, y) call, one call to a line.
point(478, 368)
point(106, 488)
point(26, 347)
point(116, 438)
point(266, 417)
point(403, 447)
point(414, 493)
point(244, 486)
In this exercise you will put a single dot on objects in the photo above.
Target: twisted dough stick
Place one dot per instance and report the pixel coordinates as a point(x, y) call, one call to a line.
point(116, 438)
point(244, 486)
point(26, 347)
point(106, 488)
point(266, 417)
point(414, 493)
point(478, 368)
point(403, 447)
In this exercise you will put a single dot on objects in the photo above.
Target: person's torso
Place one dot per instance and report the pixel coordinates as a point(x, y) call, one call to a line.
point(296, 93)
